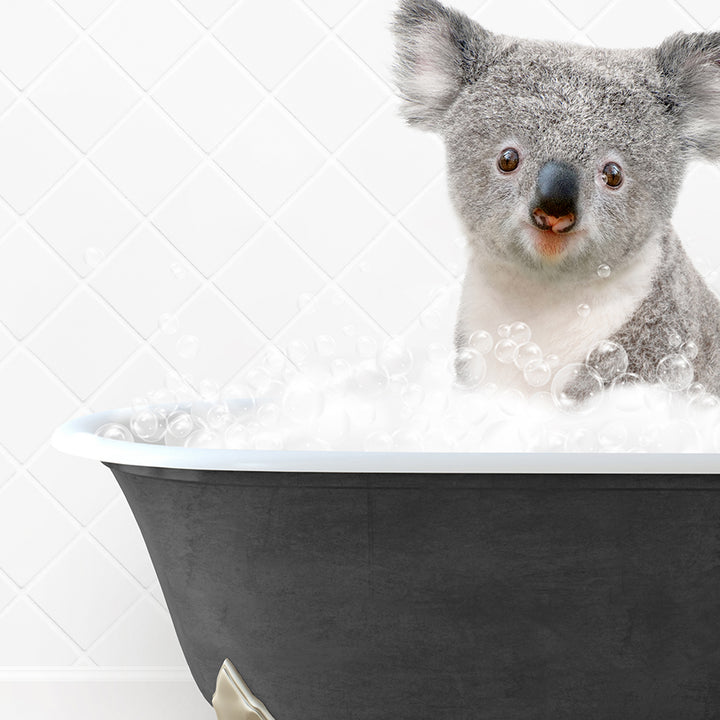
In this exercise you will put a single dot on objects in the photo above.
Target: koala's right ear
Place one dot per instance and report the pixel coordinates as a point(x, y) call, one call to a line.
point(438, 51)
point(691, 63)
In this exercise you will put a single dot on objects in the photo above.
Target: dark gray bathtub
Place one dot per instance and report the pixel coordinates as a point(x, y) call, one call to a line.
point(411, 595)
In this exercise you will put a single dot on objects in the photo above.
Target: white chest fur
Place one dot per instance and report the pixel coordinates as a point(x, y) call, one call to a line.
point(494, 294)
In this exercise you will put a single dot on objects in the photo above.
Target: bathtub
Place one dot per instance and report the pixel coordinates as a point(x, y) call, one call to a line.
point(435, 586)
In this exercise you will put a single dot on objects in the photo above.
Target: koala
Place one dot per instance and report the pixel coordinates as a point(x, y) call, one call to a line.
point(564, 164)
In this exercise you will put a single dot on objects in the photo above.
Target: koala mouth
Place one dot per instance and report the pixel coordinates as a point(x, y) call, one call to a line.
point(551, 242)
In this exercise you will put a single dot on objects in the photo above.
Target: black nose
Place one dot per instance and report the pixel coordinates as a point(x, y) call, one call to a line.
point(557, 190)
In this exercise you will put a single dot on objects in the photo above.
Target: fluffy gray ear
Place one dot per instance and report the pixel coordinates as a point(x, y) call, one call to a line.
point(691, 63)
point(438, 51)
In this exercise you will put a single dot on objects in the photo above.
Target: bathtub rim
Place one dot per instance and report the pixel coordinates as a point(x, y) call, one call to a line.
point(77, 437)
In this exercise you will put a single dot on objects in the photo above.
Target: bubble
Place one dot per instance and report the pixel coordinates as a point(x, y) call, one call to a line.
point(674, 338)
point(114, 431)
point(576, 388)
point(511, 401)
point(168, 324)
point(603, 271)
point(378, 441)
point(298, 351)
point(695, 389)
point(689, 350)
point(608, 359)
point(526, 353)
point(203, 438)
point(394, 358)
point(303, 401)
point(552, 360)
point(482, 341)
point(268, 414)
point(675, 372)
point(505, 350)
point(581, 440)
point(612, 436)
point(163, 402)
point(93, 256)
point(325, 345)
point(139, 403)
point(412, 395)
point(366, 346)
point(705, 401)
point(259, 379)
point(187, 346)
point(180, 424)
point(537, 373)
point(303, 299)
point(219, 416)
point(407, 441)
point(469, 366)
point(178, 270)
point(209, 389)
point(583, 310)
point(340, 369)
point(145, 425)
point(349, 330)
point(369, 380)
point(503, 330)
point(520, 333)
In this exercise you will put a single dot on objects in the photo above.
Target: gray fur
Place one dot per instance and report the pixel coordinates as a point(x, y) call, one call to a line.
point(655, 109)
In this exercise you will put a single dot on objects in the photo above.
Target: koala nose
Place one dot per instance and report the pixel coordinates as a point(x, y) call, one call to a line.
point(556, 194)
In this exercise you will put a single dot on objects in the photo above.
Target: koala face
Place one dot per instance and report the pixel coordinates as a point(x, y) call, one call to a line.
point(560, 158)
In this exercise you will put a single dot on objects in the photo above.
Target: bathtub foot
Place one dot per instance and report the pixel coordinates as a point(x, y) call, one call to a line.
point(233, 700)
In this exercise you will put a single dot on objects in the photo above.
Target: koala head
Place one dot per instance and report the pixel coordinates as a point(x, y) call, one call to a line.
point(560, 157)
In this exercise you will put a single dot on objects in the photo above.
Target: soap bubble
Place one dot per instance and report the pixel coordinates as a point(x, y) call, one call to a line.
point(505, 350)
point(369, 380)
point(704, 401)
point(366, 346)
point(612, 436)
point(178, 270)
point(394, 358)
point(187, 346)
point(180, 424)
point(303, 401)
point(675, 372)
point(163, 401)
point(603, 271)
point(519, 333)
point(407, 441)
point(203, 438)
point(552, 360)
point(349, 330)
point(298, 351)
point(527, 352)
point(145, 425)
point(481, 340)
point(219, 416)
point(576, 388)
point(608, 359)
point(114, 431)
point(325, 345)
point(511, 401)
point(674, 338)
point(268, 414)
point(537, 373)
point(209, 389)
point(689, 350)
point(378, 442)
point(469, 366)
point(237, 437)
point(503, 330)
point(168, 324)
point(583, 310)
point(581, 440)
point(412, 395)
point(695, 389)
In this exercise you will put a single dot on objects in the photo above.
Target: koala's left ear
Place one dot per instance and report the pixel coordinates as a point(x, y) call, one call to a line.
point(691, 64)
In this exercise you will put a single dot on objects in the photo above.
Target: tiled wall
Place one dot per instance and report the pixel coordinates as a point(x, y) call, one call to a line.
point(239, 165)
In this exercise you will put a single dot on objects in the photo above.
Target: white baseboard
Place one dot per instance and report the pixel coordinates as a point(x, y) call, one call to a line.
point(89, 694)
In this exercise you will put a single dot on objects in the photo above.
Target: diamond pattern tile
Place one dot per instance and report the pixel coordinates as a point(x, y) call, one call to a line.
point(239, 164)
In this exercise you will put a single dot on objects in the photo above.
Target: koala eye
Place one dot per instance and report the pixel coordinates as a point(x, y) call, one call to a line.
point(612, 175)
point(509, 160)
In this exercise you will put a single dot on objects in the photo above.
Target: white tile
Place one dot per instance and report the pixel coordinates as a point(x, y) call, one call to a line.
point(146, 36)
point(625, 24)
point(145, 157)
point(579, 14)
point(84, 592)
point(84, 212)
point(393, 280)
point(207, 94)
point(392, 160)
point(270, 39)
point(23, 256)
point(145, 637)
point(209, 219)
point(331, 219)
point(144, 373)
point(332, 11)
point(33, 529)
point(524, 19)
point(267, 278)
point(8, 218)
point(84, 94)
point(7, 593)
point(84, 343)
point(432, 220)
point(8, 94)
point(271, 157)
point(356, 94)
point(8, 468)
point(34, 158)
point(83, 487)
point(118, 532)
point(331, 313)
point(706, 12)
point(22, 378)
point(84, 11)
point(157, 593)
point(140, 283)
point(367, 32)
point(208, 11)
point(226, 339)
point(7, 341)
point(28, 638)
point(32, 34)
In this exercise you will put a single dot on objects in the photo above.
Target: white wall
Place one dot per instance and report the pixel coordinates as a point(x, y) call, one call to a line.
point(239, 165)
